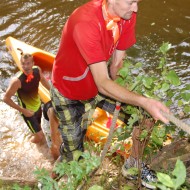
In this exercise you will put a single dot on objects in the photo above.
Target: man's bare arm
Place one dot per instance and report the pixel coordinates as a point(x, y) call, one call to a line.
point(111, 89)
point(117, 63)
point(11, 90)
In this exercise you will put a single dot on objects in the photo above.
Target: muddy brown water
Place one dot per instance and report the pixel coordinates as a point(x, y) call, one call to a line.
point(39, 23)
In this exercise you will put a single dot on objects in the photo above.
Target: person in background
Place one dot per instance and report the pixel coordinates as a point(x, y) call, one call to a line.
point(94, 33)
point(25, 86)
point(50, 126)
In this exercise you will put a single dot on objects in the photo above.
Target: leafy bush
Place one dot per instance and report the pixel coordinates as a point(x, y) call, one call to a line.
point(173, 181)
point(73, 171)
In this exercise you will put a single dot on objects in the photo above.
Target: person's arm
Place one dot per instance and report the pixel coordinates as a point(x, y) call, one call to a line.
point(43, 80)
point(111, 89)
point(117, 63)
point(11, 90)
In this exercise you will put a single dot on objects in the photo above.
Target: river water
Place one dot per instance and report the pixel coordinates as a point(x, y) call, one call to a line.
point(39, 23)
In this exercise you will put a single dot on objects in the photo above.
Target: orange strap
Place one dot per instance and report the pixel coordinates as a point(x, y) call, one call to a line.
point(111, 22)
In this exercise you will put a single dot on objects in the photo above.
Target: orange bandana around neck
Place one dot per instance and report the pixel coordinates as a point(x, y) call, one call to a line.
point(111, 22)
point(29, 77)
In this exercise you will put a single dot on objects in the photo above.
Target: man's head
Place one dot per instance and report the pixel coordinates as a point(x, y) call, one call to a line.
point(122, 8)
point(27, 62)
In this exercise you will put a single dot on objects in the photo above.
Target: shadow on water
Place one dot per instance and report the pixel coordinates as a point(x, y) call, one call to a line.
point(40, 22)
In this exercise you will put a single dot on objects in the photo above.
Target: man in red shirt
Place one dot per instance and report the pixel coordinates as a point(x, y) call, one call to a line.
point(94, 33)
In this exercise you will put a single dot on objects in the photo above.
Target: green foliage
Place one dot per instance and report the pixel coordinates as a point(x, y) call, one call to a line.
point(45, 179)
point(158, 135)
point(17, 187)
point(73, 171)
point(96, 187)
point(160, 84)
point(173, 181)
point(155, 85)
point(164, 48)
point(173, 78)
point(133, 171)
point(122, 133)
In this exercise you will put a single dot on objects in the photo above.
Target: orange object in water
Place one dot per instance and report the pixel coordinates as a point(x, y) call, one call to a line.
point(99, 129)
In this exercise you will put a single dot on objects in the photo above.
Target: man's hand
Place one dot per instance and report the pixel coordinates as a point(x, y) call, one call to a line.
point(155, 108)
point(27, 113)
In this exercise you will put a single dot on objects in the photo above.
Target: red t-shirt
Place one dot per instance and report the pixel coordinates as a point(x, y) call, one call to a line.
point(85, 40)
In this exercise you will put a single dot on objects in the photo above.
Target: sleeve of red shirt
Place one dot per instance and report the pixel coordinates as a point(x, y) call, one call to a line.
point(127, 38)
point(87, 38)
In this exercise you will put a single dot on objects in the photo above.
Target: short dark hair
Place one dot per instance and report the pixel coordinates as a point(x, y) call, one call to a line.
point(24, 55)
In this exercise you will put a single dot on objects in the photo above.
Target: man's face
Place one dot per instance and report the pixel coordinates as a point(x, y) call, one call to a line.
point(124, 8)
point(27, 65)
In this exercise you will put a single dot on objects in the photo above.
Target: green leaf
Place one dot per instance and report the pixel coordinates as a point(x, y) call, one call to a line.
point(133, 171)
point(158, 141)
point(159, 135)
point(187, 109)
point(162, 63)
point(173, 78)
point(143, 134)
point(120, 81)
point(165, 87)
point(161, 131)
point(165, 179)
point(170, 94)
point(164, 48)
point(180, 173)
point(149, 94)
point(119, 130)
point(180, 103)
point(124, 72)
point(187, 87)
point(186, 96)
point(147, 82)
point(124, 136)
point(138, 65)
point(162, 187)
point(169, 103)
point(96, 187)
